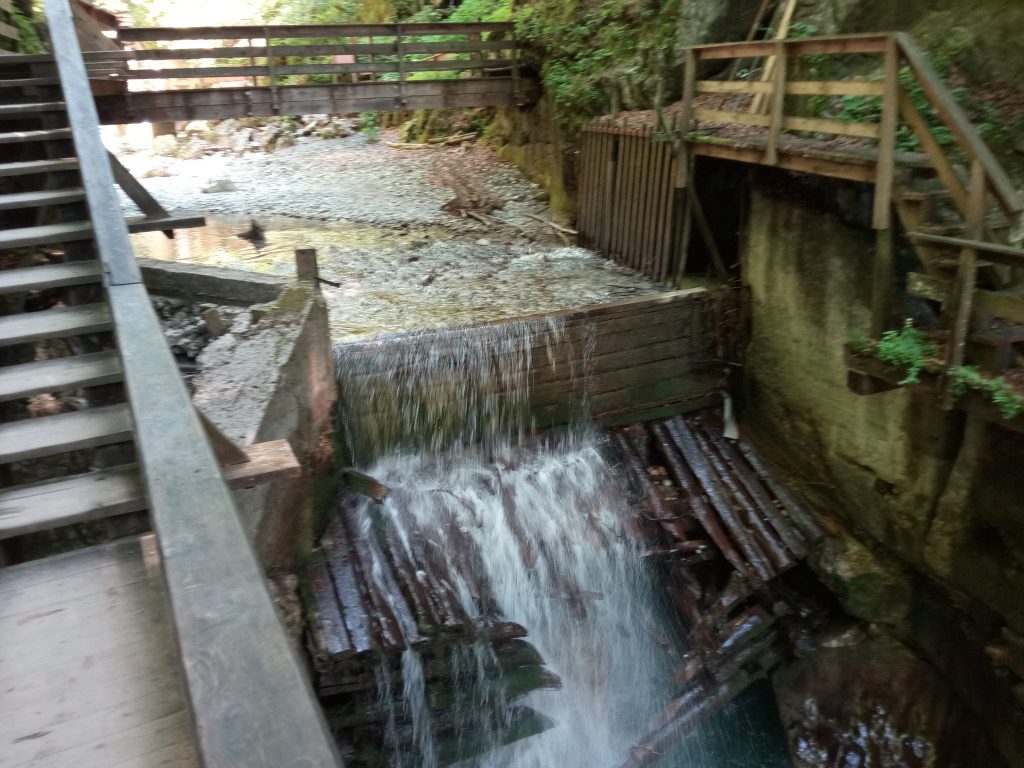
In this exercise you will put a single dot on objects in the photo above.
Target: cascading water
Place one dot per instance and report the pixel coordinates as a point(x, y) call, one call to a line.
point(537, 526)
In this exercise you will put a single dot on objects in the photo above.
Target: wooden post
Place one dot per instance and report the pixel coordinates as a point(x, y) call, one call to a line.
point(778, 114)
point(686, 116)
point(516, 92)
point(966, 278)
point(881, 284)
point(882, 217)
point(306, 267)
point(475, 37)
point(399, 49)
point(271, 79)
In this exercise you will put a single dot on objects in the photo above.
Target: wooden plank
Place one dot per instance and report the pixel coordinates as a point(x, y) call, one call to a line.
point(30, 108)
point(1006, 306)
point(54, 323)
point(321, 31)
point(882, 214)
point(48, 435)
point(59, 375)
point(777, 106)
point(732, 86)
point(103, 708)
point(933, 149)
point(11, 33)
point(953, 115)
point(268, 462)
point(137, 193)
point(52, 134)
point(687, 115)
point(28, 167)
point(790, 161)
point(633, 251)
point(585, 188)
point(668, 196)
point(652, 172)
point(93, 496)
point(7, 5)
point(50, 276)
point(796, 87)
point(995, 252)
point(41, 198)
point(837, 44)
point(838, 127)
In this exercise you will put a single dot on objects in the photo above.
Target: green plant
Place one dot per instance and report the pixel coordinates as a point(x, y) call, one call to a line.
point(1008, 399)
point(369, 127)
point(29, 40)
point(906, 347)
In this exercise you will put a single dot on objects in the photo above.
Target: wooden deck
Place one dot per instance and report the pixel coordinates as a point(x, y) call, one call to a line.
point(89, 675)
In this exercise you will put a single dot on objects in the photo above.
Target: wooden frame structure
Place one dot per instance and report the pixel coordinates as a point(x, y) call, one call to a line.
point(791, 137)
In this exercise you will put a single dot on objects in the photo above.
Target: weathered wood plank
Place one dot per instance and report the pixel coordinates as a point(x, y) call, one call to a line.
point(50, 276)
point(59, 375)
point(796, 87)
point(318, 31)
point(48, 435)
point(118, 707)
point(54, 323)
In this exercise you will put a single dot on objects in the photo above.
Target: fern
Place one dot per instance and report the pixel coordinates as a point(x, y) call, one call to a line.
point(906, 347)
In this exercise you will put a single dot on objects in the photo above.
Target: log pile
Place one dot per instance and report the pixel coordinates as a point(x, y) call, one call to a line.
point(369, 598)
point(722, 532)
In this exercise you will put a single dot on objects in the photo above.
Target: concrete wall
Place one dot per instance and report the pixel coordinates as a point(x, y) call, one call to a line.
point(271, 377)
point(925, 507)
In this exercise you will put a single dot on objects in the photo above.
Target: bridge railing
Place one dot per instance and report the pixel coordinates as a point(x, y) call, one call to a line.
point(281, 55)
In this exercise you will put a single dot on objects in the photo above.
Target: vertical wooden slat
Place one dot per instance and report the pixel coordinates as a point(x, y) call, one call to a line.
point(583, 188)
point(686, 113)
point(778, 104)
point(651, 174)
point(608, 202)
point(966, 276)
point(593, 188)
point(636, 205)
point(662, 225)
point(668, 211)
point(882, 216)
point(618, 195)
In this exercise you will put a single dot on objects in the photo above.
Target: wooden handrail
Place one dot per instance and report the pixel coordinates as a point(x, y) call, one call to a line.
point(326, 31)
point(959, 123)
point(250, 701)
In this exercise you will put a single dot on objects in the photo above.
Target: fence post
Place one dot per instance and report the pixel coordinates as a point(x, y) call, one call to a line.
point(399, 49)
point(966, 278)
point(778, 114)
point(306, 267)
point(686, 117)
point(884, 174)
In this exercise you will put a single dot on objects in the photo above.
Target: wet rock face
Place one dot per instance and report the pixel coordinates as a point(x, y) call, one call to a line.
point(873, 704)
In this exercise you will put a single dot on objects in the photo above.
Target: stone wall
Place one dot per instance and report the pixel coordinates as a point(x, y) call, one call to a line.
point(926, 508)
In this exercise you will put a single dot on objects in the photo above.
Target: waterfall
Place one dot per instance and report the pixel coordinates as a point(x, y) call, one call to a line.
point(442, 419)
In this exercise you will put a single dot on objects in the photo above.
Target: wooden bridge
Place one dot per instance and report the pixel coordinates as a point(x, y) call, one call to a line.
point(949, 196)
point(164, 649)
point(164, 74)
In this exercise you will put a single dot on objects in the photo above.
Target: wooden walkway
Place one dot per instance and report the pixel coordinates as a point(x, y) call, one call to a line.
point(88, 668)
point(255, 71)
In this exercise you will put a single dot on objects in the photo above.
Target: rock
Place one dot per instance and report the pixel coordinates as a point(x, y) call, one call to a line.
point(868, 586)
point(226, 127)
point(243, 140)
point(218, 185)
point(155, 171)
point(269, 137)
point(284, 141)
point(165, 145)
point(483, 241)
point(194, 149)
point(197, 126)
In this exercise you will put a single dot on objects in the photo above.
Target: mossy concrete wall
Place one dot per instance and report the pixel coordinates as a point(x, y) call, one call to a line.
point(927, 508)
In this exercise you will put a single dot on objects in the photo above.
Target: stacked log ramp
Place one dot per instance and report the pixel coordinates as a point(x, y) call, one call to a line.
point(723, 533)
point(371, 599)
point(720, 533)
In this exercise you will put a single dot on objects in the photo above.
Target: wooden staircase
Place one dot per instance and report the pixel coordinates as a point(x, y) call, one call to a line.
point(49, 257)
point(75, 317)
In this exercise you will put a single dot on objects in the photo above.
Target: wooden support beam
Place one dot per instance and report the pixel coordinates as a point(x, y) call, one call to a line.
point(778, 106)
point(882, 215)
point(306, 266)
point(227, 453)
point(686, 119)
point(967, 274)
point(882, 278)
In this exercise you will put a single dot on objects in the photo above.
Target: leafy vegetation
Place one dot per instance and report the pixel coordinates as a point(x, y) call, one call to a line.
point(29, 40)
point(908, 348)
point(1007, 398)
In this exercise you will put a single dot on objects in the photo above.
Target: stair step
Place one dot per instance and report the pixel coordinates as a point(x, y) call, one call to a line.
point(923, 195)
point(31, 107)
point(28, 167)
point(74, 231)
point(78, 499)
point(59, 375)
point(54, 324)
point(49, 435)
point(41, 197)
point(28, 82)
point(47, 234)
point(50, 276)
point(50, 134)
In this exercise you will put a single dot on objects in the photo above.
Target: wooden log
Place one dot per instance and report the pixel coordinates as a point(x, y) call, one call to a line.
point(717, 495)
point(744, 504)
point(751, 481)
point(364, 484)
point(412, 586)
point(331, 638)
point(801, 516)
point(338, 555)
point(660, 513)
point(695, 496)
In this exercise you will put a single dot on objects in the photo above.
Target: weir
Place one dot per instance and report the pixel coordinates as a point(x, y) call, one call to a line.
point(536, 591)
